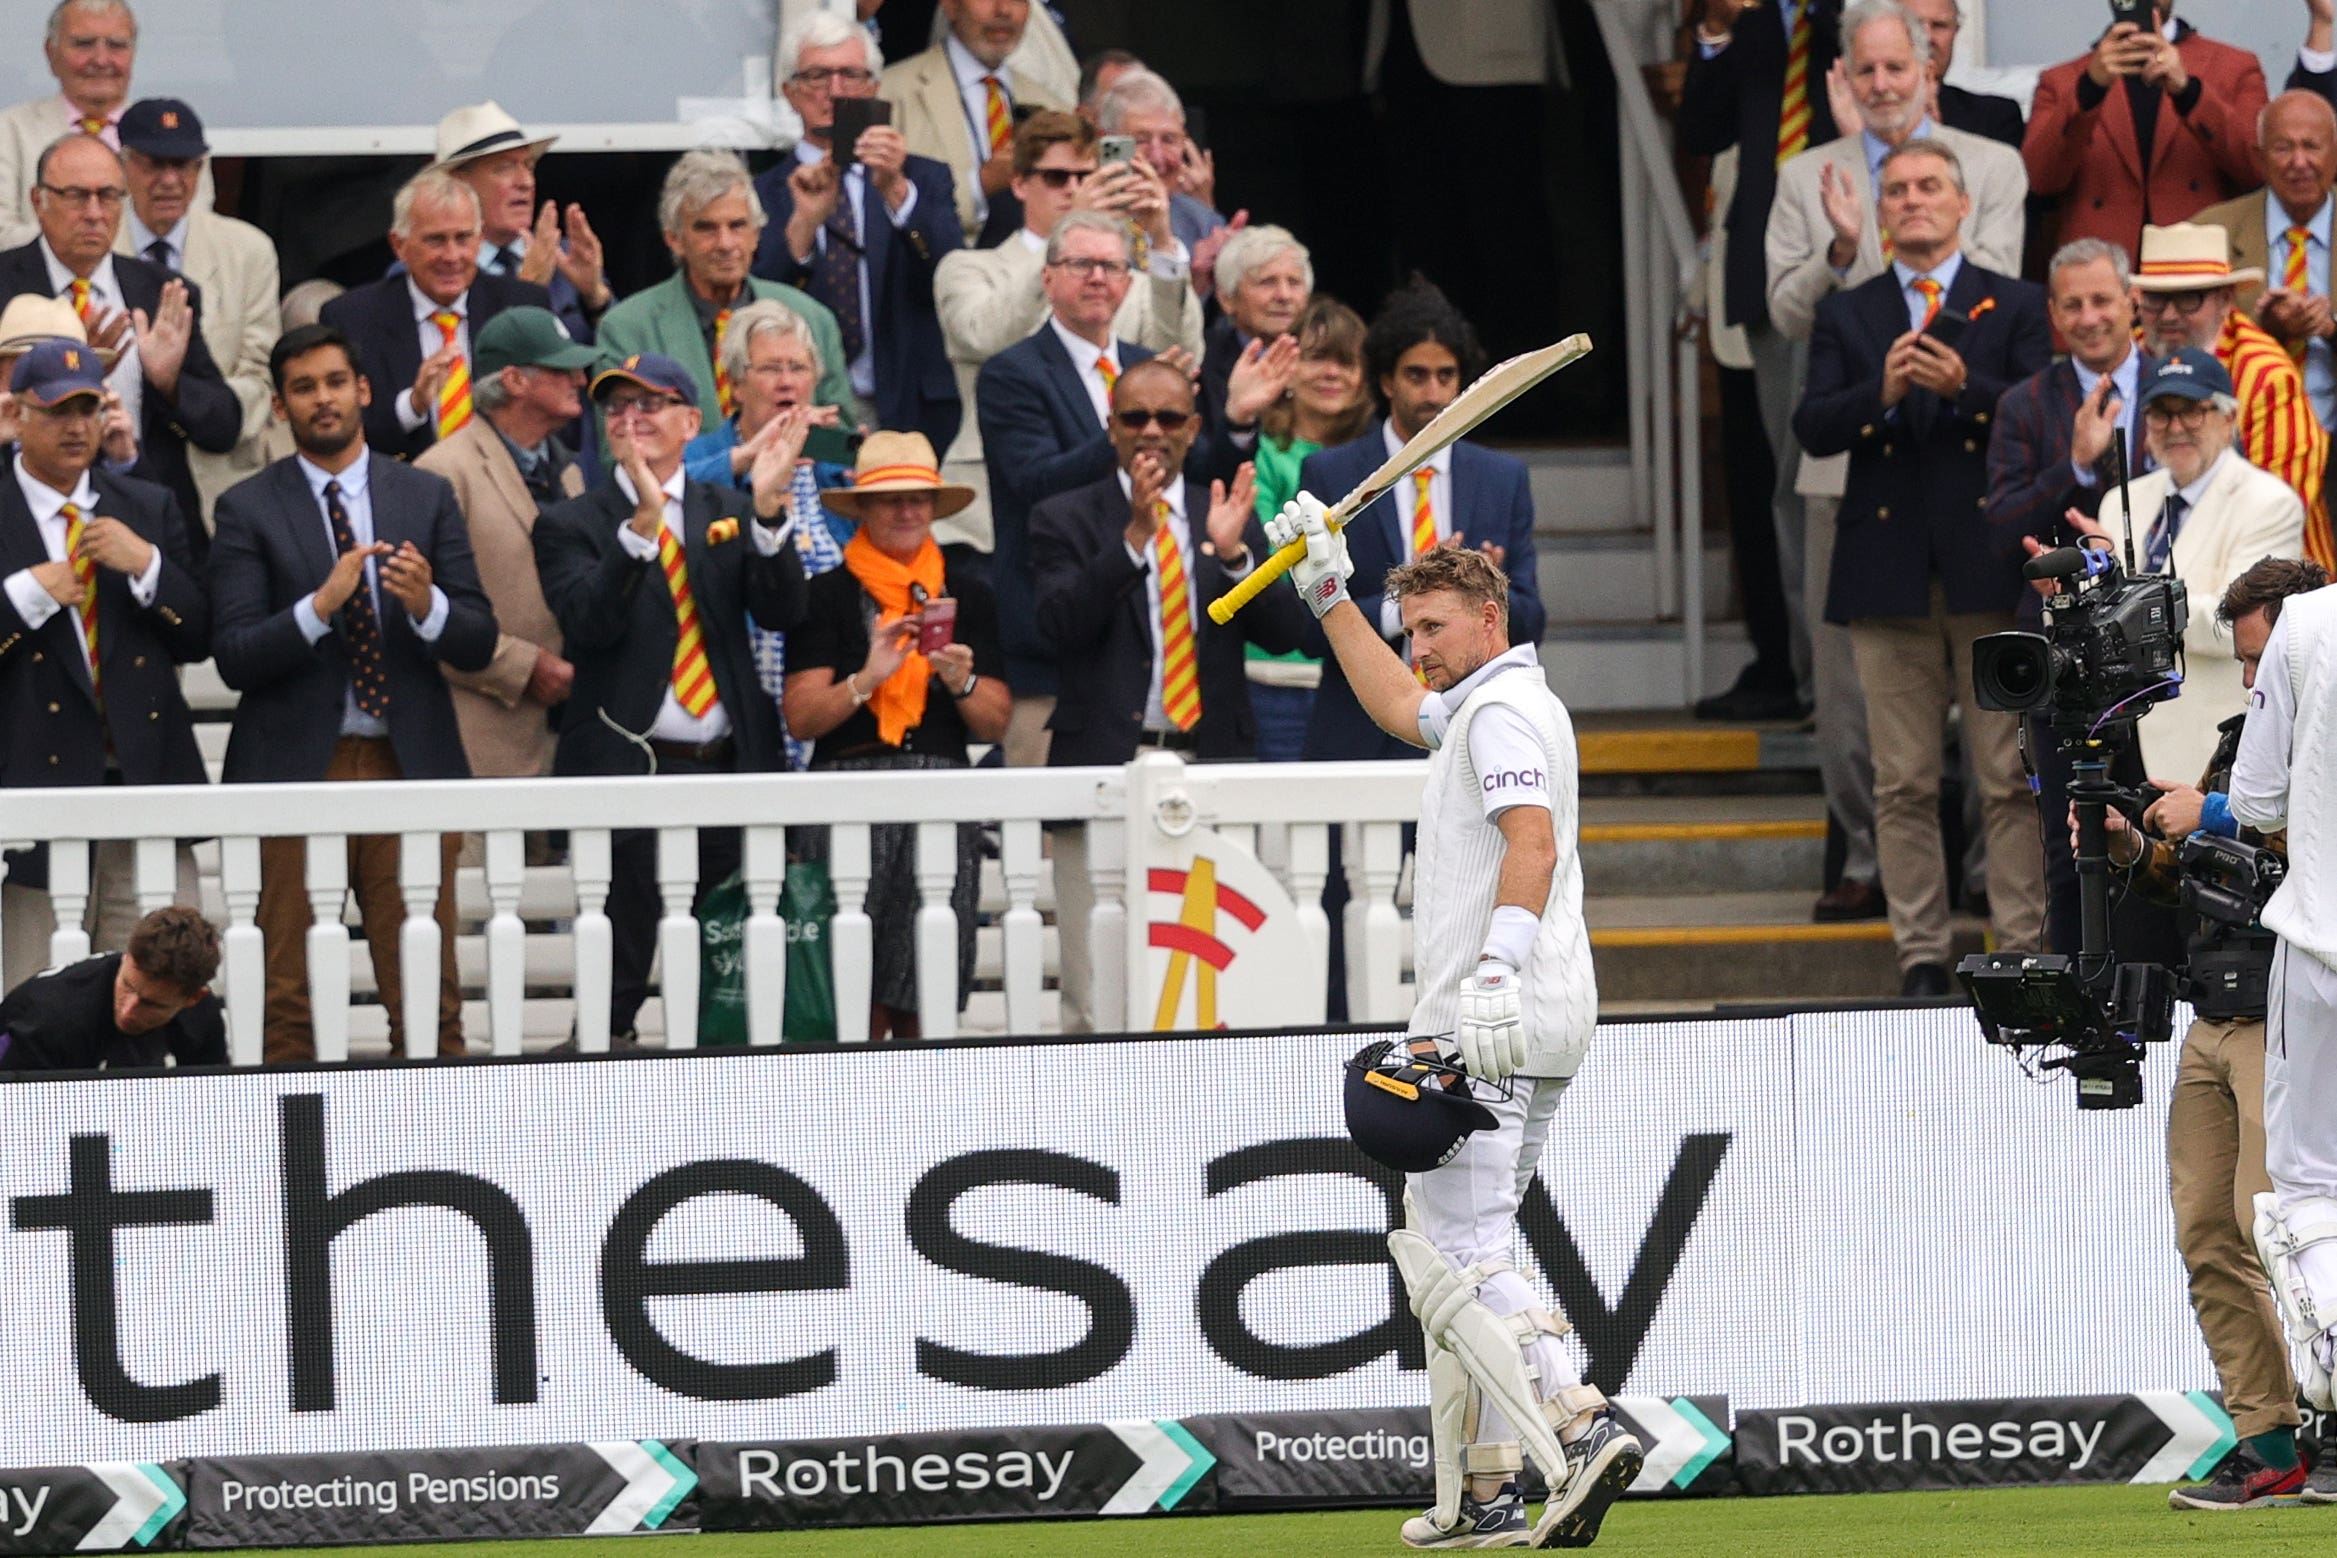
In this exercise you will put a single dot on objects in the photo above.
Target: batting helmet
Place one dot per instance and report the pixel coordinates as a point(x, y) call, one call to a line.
point(1410, 1112)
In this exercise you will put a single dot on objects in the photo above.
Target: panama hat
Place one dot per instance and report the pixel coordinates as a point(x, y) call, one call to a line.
point(30, 319)
point(2189, 257)
point(481, 130)
point(898, 462)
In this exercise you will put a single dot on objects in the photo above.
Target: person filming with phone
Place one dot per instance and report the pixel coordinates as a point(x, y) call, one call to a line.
point(1905, 374)
point(898, 666)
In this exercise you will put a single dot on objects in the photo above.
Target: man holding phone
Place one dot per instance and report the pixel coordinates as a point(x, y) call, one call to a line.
point(2152, 125)
point(860, 223)
point(1917, 575)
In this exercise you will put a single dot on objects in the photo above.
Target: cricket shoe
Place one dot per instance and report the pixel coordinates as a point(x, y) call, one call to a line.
point(1599, 1467)
point(2321, 1482)
point(1499, 1521)
point(2241, 1481)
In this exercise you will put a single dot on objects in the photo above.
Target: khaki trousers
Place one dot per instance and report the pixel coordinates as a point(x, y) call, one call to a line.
point(28, 917)
point(1913, 669)
point(285, 916)
point(2215, 1167)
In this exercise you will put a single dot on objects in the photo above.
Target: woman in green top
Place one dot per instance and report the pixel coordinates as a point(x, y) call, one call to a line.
point(1327, 403)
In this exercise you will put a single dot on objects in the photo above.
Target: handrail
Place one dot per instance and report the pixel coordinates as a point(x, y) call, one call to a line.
point(1646, 130)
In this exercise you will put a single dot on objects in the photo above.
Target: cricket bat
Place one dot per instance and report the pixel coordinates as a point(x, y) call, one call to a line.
point(1497, 387)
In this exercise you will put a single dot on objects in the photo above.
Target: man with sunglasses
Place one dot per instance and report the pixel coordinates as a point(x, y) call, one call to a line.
point(2190, 297)
point(861, 227)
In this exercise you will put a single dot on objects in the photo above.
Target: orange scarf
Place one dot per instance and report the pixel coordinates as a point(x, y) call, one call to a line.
point(899, 700)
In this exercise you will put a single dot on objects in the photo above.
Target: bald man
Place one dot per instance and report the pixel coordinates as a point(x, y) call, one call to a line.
point(2285, 228)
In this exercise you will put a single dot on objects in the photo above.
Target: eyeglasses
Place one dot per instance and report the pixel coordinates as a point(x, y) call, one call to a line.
point(2184, 303)
point(1169, 421)
point(2188, 414)
point(1062, 178)
point(832, 77)
point(74, 195)
point(619, 408)
point(1088, 269)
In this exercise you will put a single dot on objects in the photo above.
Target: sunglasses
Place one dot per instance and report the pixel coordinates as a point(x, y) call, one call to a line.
point(1169, 421)
point(1061, 178)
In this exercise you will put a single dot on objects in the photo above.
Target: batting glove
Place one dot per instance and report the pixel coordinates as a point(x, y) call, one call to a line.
point(1491, 1035)
point(1321, 576)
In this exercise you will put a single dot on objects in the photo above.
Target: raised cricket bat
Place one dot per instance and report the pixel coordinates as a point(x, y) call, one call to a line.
point(1497, 387)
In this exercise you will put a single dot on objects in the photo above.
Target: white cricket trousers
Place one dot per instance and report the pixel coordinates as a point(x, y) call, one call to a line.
point(2300, 1099)
point(1468, 1210)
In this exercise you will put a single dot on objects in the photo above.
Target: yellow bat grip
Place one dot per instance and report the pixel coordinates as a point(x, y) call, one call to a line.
point(1221, 610)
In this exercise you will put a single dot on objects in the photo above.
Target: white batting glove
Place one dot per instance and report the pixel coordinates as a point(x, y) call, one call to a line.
point(1491, 1035)
point(1321, 576)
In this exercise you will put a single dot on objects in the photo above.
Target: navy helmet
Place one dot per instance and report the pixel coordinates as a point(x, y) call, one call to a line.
point(1410, 1112)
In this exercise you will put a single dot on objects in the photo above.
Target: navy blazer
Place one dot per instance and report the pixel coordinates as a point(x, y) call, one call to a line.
point(1492, 501)
point(379, 319)
point(1092, 604)
point(916, 388)
point(204, 413)
point(1914, 507)
point(618, 627)
point(270, 552)
point(1734, 99)
point(1039, 437)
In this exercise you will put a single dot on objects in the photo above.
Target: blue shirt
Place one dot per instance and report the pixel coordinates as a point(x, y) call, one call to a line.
point(2320, 364)
point(1918, 305)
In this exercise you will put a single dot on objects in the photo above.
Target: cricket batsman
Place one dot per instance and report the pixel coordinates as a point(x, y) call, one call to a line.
point(1504, 969)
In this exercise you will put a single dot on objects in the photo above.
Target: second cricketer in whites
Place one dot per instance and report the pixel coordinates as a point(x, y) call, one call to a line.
point(1504, 968)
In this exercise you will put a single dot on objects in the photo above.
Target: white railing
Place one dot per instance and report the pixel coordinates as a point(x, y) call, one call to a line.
point(1278, 811)
point(1661, 263)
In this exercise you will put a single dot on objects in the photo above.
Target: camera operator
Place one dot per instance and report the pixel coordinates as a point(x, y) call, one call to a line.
point(2285, 775)
point(2215, 1119)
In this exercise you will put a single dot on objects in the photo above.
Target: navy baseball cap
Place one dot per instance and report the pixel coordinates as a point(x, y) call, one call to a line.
point(162, 127)
point(652, 371)
point(55, 371)
point(2187, 374)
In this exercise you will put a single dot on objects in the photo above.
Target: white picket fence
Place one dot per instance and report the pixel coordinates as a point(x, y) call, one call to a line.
point(540, 956)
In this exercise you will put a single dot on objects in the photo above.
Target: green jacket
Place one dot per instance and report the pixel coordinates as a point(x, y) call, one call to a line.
point(661, 319)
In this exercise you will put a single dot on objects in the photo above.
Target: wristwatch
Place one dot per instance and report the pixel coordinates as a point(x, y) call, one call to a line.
point(967, 691)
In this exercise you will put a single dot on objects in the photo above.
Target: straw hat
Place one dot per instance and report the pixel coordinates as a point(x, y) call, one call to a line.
point(898, 462)
point(2188, 257)
point(482, 130)
point(30, 319)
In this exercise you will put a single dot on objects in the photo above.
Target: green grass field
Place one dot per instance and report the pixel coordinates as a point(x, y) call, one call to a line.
point(2063, 1522)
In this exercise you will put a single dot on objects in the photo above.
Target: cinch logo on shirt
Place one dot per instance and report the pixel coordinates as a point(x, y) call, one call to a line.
point(1516, 779)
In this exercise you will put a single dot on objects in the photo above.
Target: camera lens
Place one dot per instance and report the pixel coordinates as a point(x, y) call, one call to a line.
point(2011, 672)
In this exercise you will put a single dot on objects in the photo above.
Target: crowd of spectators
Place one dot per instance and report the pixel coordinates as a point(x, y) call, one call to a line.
point(980, 344)
point(1932, 420)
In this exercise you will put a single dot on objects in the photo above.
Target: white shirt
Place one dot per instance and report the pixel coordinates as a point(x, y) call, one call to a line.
point(357, 504)
point(969, 72)
point(1083, 357)
point(2261, 774)
point(1440, 499)
point(1181, 525)
point(2320, 364)
point(2123, 382)
point(128, 380)
point(142, 238)
point(35, 604)
point(1503, 745)
point(862, 367)
point(673, 722)
point(432, 338)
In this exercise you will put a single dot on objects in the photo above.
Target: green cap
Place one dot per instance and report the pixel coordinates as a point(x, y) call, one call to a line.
point(527, 337)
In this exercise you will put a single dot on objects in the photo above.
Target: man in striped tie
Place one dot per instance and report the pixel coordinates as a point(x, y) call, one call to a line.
point(652, 577)
point(957, 101)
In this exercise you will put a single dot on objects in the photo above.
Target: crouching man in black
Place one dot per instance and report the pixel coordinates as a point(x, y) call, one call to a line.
point(133, 1008)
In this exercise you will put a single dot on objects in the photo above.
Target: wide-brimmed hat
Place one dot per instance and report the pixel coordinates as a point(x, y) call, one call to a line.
point(482, 130)
point(898, 462)
point(2189, 257)
point(31, 318)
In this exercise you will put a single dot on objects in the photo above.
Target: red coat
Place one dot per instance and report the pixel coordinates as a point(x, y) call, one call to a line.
point(2092, 161)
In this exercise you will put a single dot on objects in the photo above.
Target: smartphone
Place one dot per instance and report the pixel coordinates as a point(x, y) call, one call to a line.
point(853, 115)
point(1947, 327)
point(2142, 13)
point(937, 627)
point(1115, 148)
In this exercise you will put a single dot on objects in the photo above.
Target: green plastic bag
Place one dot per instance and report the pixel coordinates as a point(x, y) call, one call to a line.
point(808, 903)
point(722, 965)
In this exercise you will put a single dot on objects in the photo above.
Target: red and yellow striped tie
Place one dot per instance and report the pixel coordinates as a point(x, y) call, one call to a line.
point(2294, 278)
point(84, 574)
point(693, 678)
point(995, 117)
point(1423, 511)
point(1109, 374)
point(454, 391)
point(1180, 671)
point(1930, 288)
point(93, 124)
point(725, 394)
point(1793, 118)
point(81, 299)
